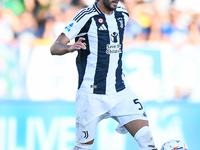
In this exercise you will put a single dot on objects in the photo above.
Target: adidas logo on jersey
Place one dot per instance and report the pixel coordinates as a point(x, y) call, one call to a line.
point(102, 27)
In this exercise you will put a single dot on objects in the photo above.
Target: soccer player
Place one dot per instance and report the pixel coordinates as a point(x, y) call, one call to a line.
point(102, 89)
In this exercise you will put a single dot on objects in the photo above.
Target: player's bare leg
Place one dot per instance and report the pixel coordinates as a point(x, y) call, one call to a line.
point(140, 130)
point(83, 146)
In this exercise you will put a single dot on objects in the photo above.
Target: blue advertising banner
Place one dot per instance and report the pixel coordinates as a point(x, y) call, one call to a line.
point(26, 125)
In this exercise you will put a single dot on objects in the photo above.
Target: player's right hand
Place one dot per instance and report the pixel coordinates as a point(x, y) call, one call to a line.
point(78, 45)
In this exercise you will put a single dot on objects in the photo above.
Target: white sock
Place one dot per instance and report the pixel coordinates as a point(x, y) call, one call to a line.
point(79, 148)
point(144, 139)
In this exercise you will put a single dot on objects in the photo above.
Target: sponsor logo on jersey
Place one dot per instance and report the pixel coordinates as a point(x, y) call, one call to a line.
point(111, 48)
point(114, 36)
point(69, 26)
point(102, 27)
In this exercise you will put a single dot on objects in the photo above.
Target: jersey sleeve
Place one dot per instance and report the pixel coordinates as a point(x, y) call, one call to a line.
point(74, 26)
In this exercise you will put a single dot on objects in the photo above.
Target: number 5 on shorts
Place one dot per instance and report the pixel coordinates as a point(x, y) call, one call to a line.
point(136, 102)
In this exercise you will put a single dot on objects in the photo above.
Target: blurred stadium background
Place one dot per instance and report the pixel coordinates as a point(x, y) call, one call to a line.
point(37, 90)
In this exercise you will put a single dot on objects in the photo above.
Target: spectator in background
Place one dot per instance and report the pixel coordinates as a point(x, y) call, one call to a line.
point(173, 28)
point(57, 16)
point(187, 64)
point(39, 10)
point(155, 30)
point(27, 24)
point(76, 5)
point(26, 36)
point(141, 14)
point(6, 24)
point(57, 10)
point(51, 15)
point(194, 30)
point(8, 55)
point(15, 6)
point(156, 23)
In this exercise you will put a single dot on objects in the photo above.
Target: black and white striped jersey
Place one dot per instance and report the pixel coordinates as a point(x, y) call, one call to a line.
point(100, 65)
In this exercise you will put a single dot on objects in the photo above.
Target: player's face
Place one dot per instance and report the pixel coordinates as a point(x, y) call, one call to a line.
point(110, 4)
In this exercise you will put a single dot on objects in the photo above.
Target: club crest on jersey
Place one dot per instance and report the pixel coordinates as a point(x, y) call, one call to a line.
point(100, 20)
point(121, 22)
point(114, 36)
point(69, 26)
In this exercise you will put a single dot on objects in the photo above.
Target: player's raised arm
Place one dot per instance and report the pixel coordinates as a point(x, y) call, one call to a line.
point(61, 47)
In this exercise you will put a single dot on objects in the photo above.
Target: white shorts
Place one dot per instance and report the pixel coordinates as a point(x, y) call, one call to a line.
point(123, 106)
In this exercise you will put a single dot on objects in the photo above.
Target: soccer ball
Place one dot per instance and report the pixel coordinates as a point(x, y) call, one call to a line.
point(174, 145)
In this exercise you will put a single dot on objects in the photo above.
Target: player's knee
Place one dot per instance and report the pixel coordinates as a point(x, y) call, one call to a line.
point(83, 146)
